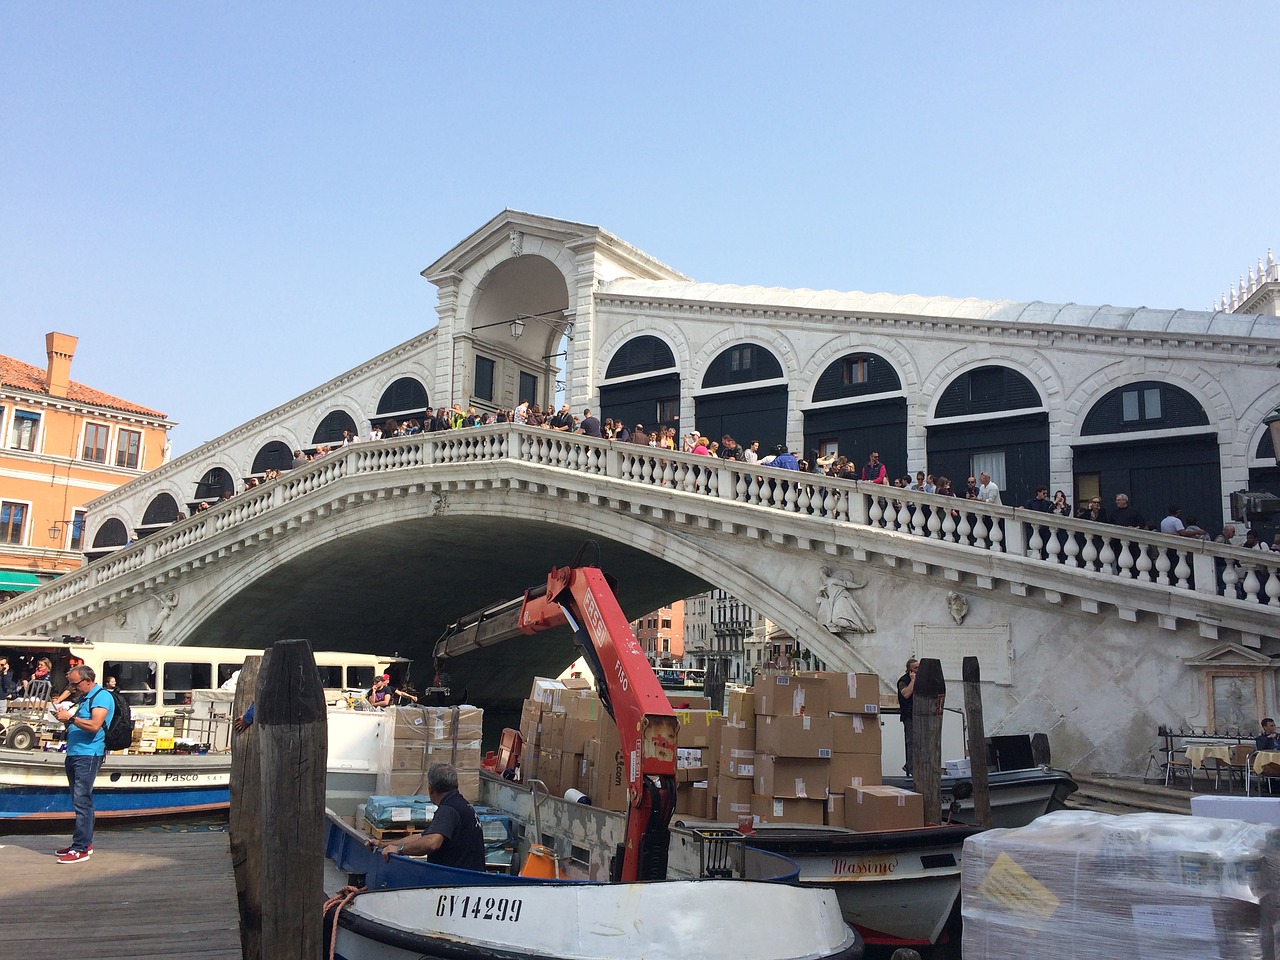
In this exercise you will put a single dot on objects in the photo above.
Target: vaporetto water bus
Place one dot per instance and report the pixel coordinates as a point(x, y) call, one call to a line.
point(180, 698)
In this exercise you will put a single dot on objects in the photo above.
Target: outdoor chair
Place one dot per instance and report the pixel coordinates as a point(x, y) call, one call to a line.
point(1176, 764)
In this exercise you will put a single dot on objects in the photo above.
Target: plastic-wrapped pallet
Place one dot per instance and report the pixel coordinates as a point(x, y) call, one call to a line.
point(1076, 885)
point(414, 811)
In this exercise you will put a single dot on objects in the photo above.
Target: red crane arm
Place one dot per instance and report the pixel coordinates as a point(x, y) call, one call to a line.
point(647, 726)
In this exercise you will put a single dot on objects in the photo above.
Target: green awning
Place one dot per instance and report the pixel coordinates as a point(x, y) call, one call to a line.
point(18, 580)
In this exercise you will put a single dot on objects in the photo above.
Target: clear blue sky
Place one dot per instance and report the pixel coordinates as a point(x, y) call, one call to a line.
point(230, 203)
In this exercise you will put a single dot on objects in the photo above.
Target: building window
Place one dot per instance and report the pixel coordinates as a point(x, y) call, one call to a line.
point(95, 442)
point(528, 387)
point(669, 410)
point(128, 444)
point(25, 427)
point(1140, 405)
point(77, 530)
point(484, 378)
point(666, 623)
point(855, 371)
point(740, 359)
point(12, 517)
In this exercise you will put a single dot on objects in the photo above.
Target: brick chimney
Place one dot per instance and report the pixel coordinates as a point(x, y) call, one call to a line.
point(60, 348)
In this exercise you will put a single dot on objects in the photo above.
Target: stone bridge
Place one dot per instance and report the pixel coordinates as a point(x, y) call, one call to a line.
point(1096, 635)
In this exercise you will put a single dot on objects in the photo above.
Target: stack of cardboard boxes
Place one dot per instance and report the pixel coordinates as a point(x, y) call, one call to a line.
point(421, 736)
point(569, 742)
point(806, 749)
point(797, 748)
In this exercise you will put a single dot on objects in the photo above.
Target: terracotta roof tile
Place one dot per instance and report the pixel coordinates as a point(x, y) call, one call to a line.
point(25, 376)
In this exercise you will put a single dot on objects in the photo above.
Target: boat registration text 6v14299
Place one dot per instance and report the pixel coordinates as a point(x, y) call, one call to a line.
point(500, 909)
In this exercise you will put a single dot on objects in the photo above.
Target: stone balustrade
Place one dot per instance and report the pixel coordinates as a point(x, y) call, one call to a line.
point(1245, 577)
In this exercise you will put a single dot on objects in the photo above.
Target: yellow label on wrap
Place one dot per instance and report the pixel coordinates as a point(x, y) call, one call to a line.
point(1016, 890)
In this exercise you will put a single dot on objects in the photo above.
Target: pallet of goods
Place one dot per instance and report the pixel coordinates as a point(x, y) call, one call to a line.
point(421, 736)
point(1078, 885)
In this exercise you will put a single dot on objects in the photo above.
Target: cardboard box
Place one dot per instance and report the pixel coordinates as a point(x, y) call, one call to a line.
point(734, 800)
point(835, 810)
point(546, 691)
point(736, 763)
point(690, 756)
point(549, 766)
point(883, 808)
point(691, 774)
point(784, 695)
point(784, 810)
point(790, 778)
point(691, 799)
point(695, 727)
point(553, 728)
point(531, 713)
point(802, 736)
point(852, 692)
point(855, 733)
point(408, 757)
point(740, 707)
point(585, 706)
point(608, 776)
point(579, 731)
point(852, 770)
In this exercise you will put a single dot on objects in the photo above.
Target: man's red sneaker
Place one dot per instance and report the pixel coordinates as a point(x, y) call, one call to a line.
point(65, 850)
point(74, 856)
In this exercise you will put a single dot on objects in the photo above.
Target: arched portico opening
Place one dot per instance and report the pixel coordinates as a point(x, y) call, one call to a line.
point(991, 419)
point(642, 385)
point(515, 343)
point(858, 408)
point(160, 512)
point(109, 537)
point(745, 396)
point(1175, 459)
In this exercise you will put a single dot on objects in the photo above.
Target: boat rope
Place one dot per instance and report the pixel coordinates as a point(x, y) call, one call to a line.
point(343, 898)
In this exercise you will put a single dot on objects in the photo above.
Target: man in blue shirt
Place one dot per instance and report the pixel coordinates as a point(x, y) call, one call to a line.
point(86, 720)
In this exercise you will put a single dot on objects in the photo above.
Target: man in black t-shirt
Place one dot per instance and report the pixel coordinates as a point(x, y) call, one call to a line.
point(453, 838)
point(906, 711)
point(589, 426)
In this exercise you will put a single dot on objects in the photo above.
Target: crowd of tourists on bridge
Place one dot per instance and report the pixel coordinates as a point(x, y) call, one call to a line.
point(979, 488)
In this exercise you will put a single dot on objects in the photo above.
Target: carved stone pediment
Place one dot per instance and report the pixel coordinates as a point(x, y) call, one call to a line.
point(1233, 655)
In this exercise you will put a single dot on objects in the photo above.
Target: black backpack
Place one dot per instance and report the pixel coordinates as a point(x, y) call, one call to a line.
point(119, 734)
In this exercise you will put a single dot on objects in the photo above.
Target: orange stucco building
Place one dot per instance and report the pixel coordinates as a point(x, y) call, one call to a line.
point(661, 634)
point(62, 444)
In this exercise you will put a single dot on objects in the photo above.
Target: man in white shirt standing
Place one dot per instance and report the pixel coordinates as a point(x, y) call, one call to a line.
point(988, 492)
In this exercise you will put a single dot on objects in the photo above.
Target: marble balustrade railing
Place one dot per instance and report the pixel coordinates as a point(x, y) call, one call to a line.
point(1234, 573)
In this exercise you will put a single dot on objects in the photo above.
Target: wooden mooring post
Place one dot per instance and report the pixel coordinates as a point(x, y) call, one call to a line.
point(246, 813)
point(291, 734)
point(926, 742)
point(971, 674)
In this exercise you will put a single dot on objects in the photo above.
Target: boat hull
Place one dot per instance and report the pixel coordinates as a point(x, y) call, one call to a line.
point(1017, 796)
point(675, 920)
point(897, 887)
point(33, 786)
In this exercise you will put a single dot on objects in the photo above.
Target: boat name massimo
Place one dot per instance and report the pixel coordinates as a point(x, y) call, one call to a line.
point(863, 866)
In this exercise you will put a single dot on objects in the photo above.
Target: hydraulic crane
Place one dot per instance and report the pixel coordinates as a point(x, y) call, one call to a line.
point(584, 599)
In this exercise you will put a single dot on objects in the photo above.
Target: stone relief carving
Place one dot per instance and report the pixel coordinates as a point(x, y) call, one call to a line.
point(838, 612)
point(167, 601)
point(122, 618)
point(517, 243)
point(957, 606)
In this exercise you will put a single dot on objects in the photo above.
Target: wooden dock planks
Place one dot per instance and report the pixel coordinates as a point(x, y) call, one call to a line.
point(142, 894)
